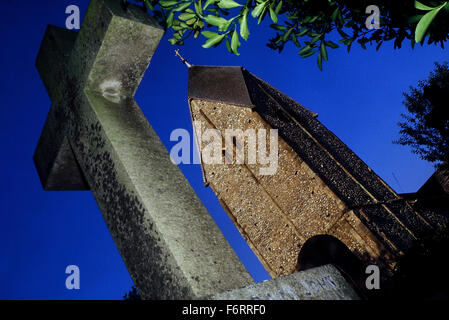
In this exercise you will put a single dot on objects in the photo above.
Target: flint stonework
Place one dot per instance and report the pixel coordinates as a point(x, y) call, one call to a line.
point(97, 138)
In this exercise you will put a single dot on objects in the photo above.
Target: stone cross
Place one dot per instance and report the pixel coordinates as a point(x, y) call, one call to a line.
point(97, 138)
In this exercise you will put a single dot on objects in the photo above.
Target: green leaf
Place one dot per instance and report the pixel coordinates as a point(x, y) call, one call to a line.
point(258, 10)
point(303, 32)
point(308, 54)
point(278, 7)
point(306, 19)
point(228, 45)
point(170, 19)
point(278, 27)
point(191, 21)
point(425, 22)
point(295, 41)
point(209, 34)
point(332, 44)
point(304, 50)
point(262, 15)
point(183, 24)
point(287, 34)
point(323, 51)
point(273, 15)
point(315, 38)
point(148, 4)
point(340, 19)
point(244, 31)
point(182, 6)
point(335, 14)
point(215, 21)
point(349, 46)
point(313, 19)
point(178, 35)
point(320, 61)
point(198, 8)
point(420, 6)
point(186, 16)
point(208, 3)
point(380, 43)
point(342, 33)
point(214, 40)
point(235, 42)
point(200, 24)
point(220, 22)
point(226, 25)
point(228, 4)
point(167, 4)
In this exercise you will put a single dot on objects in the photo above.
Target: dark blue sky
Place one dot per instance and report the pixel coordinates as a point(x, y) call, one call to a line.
point(358, 96)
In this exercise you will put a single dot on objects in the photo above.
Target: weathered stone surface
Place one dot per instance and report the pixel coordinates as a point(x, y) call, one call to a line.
point(96, 133)
point(321, 283)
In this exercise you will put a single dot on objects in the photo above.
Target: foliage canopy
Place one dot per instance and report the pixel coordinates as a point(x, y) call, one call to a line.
point(305, 23)
point(426, 126)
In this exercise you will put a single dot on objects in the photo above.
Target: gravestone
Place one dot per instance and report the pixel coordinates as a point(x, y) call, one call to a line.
point(320, 283)
point(96, 137)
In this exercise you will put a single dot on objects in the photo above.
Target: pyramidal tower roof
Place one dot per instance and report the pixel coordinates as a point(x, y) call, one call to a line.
point(226, 84)
point(220, 84)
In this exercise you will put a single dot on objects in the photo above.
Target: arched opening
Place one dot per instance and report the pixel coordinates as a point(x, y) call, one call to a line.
point(325, 249)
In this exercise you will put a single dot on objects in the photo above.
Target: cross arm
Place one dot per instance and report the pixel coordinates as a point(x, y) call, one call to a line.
point(53, 57)
point(54, 158)
point(114, 48)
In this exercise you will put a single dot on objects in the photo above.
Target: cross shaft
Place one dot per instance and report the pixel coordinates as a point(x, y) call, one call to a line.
point(96, 137)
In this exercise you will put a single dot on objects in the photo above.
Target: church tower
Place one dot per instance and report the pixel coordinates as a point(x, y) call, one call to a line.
point(320, 193)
